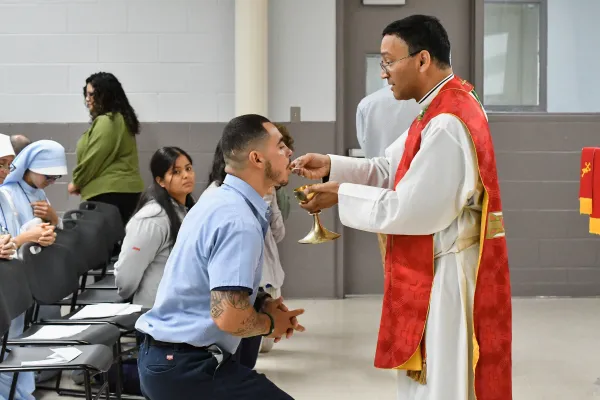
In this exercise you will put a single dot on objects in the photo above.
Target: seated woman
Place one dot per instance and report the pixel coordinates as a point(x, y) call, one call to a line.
point(9, 240)
point(152, 230)
point(38, 166)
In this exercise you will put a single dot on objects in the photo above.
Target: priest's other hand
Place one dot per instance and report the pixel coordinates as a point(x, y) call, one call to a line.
point(312, 166)
point(326, 196)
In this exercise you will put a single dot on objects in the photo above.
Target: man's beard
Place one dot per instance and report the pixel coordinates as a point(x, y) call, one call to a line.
point(274, 177)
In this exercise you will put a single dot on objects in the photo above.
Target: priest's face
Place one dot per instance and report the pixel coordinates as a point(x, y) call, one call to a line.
point(399, 67)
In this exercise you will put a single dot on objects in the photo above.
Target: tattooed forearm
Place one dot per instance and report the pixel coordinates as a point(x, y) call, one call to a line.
point(216, 304)
point(254, 325)
point(233, 313)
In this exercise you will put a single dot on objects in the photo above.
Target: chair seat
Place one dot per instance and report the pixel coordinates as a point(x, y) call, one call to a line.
point(108, 282)
point(97, 357)
point(123, 322)
point(94, 296)
point(98, 272)
point(105, 334)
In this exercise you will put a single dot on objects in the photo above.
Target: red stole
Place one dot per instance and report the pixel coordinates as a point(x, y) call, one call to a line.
point(409, 266)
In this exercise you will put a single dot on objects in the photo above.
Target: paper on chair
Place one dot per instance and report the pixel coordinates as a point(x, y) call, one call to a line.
point(66, 353)
point(50, 332)
point(61, 355)
point(133, 308)
point(102, 310)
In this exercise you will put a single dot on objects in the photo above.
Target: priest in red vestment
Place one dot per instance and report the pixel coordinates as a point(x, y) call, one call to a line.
point(446, 314)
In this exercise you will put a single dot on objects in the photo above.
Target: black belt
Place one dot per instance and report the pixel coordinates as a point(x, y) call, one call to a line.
point(175, 346)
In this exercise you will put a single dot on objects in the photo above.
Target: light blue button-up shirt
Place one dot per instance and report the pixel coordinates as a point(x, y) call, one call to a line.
point(220, 245)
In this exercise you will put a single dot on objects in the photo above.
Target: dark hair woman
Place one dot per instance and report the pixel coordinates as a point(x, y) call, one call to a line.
point(152, 230)
point(107, 159)
point(217, 172)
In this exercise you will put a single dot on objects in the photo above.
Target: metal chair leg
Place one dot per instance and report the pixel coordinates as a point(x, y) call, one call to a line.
point(105, 374)
point(88, 384)
point(119, 386)
point(13, 386)
point(58, 381)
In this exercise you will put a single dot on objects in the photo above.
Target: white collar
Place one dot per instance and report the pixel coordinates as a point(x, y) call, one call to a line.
point(428, 98)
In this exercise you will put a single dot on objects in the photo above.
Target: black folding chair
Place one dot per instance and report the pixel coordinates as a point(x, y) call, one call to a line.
point(54, 258)
point(15, 299)
point(52, 275)
point(105, 279)
point(112, 214)
point(86, 237)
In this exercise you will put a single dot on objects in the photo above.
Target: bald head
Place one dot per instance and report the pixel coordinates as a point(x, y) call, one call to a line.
point(19, 142)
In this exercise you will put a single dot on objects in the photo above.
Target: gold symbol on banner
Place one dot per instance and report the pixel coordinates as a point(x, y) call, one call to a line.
point(588, 168)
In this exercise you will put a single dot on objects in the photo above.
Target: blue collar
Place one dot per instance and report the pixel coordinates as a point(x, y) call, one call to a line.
point(248, 192)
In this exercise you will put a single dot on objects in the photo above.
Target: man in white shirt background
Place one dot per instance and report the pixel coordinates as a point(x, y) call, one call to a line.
point(380, 120)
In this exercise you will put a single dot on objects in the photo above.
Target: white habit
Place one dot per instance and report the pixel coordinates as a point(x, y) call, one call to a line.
point(440, 194)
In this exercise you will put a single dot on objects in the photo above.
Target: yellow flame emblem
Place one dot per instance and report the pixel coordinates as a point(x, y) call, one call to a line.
point(586, 169)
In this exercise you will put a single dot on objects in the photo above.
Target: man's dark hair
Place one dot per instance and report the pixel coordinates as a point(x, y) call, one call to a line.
point(239, 134)
point(19, 142)
point(423, 32)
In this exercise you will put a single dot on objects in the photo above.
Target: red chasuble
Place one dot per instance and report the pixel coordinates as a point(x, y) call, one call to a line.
point(409, 266)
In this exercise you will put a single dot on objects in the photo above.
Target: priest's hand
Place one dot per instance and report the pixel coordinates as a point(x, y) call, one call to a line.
point(312, 166)
point(326, 196)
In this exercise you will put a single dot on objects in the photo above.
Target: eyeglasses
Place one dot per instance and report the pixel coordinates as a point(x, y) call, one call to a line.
point(9, 167)
point(384, 66)
point(52, 178)
point(87, 94)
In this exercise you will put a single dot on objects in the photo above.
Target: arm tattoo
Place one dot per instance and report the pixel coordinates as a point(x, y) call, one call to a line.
point(251, 325)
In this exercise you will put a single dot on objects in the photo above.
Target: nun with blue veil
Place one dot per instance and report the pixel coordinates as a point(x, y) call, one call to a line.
point(39, 165)
point(9, 231)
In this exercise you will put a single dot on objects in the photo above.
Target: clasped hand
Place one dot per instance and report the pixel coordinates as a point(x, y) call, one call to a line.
point(286, 321)
point(43, 234)
point(7, 247)
point(317, 166)
point(42, 209)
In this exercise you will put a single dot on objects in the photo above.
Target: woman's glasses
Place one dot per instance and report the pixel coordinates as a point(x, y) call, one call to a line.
point(52, 178)
point(7, 167)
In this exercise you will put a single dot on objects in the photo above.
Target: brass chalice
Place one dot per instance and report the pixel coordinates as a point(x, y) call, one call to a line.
point(318, 234)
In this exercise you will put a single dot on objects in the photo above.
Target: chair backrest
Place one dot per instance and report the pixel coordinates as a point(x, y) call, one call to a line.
point(111, 212)
point(4, 318)
point(52, 272)
point(98, 222)
point(14, 290)
point(80, 237)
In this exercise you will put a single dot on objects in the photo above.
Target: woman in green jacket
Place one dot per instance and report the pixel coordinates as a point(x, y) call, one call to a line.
point(107, 168)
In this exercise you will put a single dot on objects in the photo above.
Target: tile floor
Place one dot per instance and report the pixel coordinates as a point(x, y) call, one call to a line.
point(556, 352)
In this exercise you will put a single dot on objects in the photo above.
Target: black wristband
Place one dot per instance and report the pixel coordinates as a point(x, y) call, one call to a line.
point(272, 323)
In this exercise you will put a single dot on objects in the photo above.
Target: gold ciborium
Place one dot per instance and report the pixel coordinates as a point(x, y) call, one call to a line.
point(318, 234)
